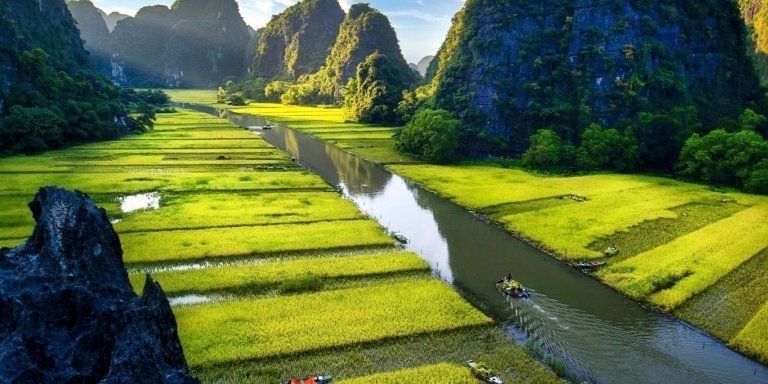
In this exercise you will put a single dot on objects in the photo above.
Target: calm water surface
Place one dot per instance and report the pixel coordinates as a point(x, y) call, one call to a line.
point(596, 333)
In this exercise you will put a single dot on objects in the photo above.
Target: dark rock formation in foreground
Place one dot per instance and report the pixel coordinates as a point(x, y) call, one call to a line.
point(69, 314)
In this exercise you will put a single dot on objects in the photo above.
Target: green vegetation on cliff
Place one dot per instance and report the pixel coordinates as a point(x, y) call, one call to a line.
point(49, 94)
point(565, 66)
point(365, 66)
point(297, 41)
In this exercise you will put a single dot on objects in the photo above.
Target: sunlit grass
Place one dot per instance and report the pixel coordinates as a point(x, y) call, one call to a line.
point(485, 343)
point(437, 373)
point(670, 274)
point(244, 330)
point(727, 306)
point(126, 183)
point(283, 275)
point(238, 209)
point(753, 339)
point(185, 245)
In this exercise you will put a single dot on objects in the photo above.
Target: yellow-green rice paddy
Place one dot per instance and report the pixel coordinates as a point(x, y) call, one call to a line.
point(682, 247)
point(303, 281)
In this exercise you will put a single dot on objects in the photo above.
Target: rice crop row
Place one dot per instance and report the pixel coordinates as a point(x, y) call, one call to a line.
point(127, 183)
point(485, 343)
point(238, 209)
point(654, 233)
point(438, 373)
point(186, 245)
point(569, 229)
point(753, 339)
point(670, 274)
point(244, 330)
point(282, 274)
point(727, 306)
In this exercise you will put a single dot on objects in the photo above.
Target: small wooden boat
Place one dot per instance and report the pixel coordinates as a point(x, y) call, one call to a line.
point(400, 238)
point(512, 288)
point(589, 264)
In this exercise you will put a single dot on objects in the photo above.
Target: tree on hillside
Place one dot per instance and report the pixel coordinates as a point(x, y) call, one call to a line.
point(372, 96)
point(606, 148)
point(546, 150)
point(432, 135)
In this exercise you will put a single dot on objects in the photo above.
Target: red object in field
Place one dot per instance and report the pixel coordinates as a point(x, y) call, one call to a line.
point(325, 379)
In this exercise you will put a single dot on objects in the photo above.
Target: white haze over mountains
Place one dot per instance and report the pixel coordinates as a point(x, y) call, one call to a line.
point(421, 25)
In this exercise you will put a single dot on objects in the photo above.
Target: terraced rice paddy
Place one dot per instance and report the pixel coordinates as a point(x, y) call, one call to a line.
point(301, 281)
point(682, 247)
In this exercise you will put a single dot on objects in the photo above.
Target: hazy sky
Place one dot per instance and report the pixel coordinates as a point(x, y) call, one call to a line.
point(421, 25)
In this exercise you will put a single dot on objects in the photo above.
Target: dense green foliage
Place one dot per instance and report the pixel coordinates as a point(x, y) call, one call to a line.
point(432, 135)
point(51, 97)
point(567, 67)
point(372, 96)
point(722, 158)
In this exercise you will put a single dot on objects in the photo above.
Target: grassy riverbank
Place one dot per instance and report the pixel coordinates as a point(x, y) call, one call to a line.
point(685, 248)
point(301, 282)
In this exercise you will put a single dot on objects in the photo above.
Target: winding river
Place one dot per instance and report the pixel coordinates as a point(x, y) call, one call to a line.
point(597, 334)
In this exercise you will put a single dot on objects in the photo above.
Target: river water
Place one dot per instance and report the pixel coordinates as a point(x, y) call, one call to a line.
point(597, 334)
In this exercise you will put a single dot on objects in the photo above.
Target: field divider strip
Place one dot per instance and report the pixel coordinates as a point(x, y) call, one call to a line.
point(237, 226)
point(335, 284)
point(253, 256)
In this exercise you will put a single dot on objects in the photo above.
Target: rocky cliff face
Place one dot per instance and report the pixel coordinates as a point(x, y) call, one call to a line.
point(510, 68)
point(195, 43)
point(363, 32)
point(45, 24)
point(297, 41)
point(93, 30)
point(112, 19)
point(68, 312)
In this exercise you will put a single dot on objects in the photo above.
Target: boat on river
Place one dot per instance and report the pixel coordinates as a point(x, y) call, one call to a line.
point(512, 288)
point(589, 264)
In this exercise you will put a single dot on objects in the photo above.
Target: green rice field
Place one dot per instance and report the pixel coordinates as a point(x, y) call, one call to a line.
point(296, 280)
point(683, 248)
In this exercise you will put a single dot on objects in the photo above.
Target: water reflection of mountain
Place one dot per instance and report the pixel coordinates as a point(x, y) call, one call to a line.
point(360, 176)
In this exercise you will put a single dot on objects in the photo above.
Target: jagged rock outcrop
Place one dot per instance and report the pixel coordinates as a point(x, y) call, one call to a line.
point(195, 43)
point(69, 314)
point(510, 68)
point(297, 41)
